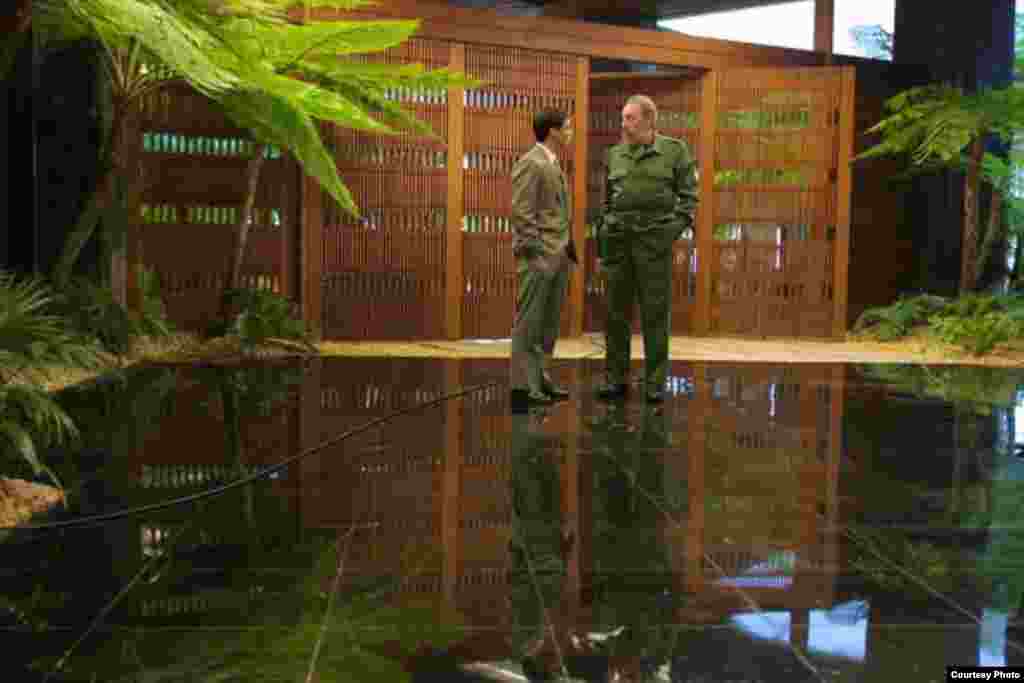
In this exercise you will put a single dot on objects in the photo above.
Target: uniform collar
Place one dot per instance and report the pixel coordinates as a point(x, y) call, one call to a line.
point(637, 150)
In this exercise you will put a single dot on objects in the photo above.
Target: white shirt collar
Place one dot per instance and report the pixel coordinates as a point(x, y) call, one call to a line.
point(552, 157)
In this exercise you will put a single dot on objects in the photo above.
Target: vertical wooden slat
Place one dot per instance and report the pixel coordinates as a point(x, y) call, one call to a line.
point(581, 163)
point(454, 280)
point(311, 252)
point(705, 207)
point(844, 194)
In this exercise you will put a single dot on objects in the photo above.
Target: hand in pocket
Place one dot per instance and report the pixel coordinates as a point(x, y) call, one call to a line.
point(543, 264)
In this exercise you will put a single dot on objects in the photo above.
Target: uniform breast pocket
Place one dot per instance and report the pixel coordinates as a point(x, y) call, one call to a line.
point(658, 173)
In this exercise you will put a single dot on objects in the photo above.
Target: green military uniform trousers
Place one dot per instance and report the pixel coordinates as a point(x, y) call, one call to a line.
point(638, 267)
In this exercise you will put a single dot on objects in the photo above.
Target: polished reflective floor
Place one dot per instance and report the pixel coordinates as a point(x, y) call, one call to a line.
point(387, 520)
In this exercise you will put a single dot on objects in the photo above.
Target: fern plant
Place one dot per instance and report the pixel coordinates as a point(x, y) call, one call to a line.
point(31, 341)
point(93, 310)
point(898, 320)
point(263, 316)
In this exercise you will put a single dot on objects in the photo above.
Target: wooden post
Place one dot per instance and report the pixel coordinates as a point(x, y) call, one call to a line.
point(577, 297)
point(705, 222)
point(824, 25)
point(311, 246)
point(844, 192)
point(454, 284)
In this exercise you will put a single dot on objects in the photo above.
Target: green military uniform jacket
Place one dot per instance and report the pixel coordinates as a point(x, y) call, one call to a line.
point(648, 187)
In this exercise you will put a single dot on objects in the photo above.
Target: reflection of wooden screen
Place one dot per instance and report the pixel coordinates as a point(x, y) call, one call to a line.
point(678, 100)
point(383, 274)
point(774, 206)
point(498, 130)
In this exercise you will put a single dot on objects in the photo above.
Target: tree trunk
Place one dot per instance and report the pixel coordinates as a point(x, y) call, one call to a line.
point(993, 244)
point(102, 198)
point(84, 228)
point(969, 238)
point(132, 172)
point(234, 274)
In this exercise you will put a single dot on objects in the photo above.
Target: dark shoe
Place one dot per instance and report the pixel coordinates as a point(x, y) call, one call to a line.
point(521, 400)
point(556, 392)
point(655, 395)
point(612, 392)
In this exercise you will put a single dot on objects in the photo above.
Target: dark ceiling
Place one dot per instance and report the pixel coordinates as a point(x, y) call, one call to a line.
point(662, 9)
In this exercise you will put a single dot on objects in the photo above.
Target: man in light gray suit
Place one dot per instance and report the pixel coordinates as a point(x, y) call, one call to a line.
point(543, 247)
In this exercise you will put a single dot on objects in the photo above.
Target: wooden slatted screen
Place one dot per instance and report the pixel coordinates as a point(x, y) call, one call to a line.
point(678, 100)
point(383, 273)
point(194, 161)
point(498, 130)
point(774, 205)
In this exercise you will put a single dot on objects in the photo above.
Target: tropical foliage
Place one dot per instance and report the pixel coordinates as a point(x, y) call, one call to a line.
point(939, 126)
point(31, 341)
point(269, 72)
point(91, 309)
point(977, 323)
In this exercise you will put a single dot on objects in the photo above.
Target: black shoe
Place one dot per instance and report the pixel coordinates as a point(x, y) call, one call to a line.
point(655, 395)
point(556, 392)
point(612, 392)
point(521, 400)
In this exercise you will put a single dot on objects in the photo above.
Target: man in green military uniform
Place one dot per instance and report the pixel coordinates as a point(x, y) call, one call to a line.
point(650, 199)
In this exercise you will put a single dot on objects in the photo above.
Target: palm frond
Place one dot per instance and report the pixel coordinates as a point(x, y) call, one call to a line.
point(279, 122)
point(316, 102)
point(287, 44)
point(186, 48)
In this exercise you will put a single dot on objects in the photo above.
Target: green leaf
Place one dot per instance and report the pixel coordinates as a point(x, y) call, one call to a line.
point(281, 123)
point(180, 44)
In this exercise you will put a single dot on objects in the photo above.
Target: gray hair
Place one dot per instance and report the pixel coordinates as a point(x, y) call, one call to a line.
point(646, 105)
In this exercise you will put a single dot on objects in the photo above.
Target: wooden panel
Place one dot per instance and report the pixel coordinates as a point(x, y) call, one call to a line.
point(194, 164)
point(705, 207)
point(384, 272)
point(844, 196)
point(499, 129)
point(678, 100)
point(774, 202)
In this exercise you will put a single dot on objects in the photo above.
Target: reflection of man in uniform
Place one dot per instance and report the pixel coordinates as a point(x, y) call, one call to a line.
point(650, 199)
point(543, 248)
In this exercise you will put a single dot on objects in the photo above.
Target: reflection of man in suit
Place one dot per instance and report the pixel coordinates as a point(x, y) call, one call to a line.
point(543, 247)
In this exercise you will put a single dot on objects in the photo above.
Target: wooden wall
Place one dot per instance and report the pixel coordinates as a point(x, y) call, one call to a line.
point(194, 176)
point(429, 256)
